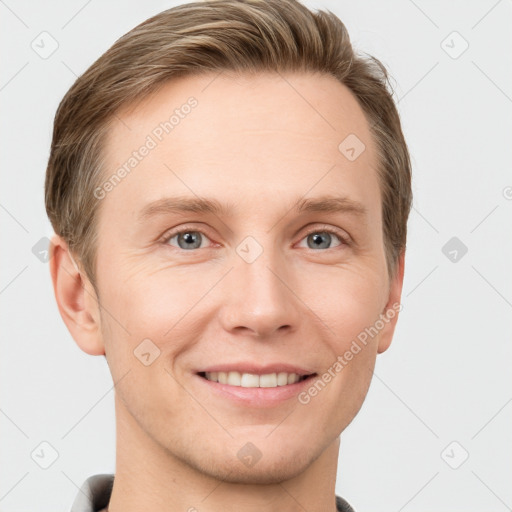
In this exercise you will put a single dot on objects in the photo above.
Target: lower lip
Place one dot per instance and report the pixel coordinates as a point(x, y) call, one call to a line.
point(257, 397)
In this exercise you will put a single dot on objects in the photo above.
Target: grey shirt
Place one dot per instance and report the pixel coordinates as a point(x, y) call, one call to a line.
point(94, 495)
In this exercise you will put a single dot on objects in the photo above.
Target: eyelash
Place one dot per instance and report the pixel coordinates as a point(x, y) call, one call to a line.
point(344, 239)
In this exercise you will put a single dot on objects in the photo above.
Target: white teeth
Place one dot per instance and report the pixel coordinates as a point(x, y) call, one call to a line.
point(292, 378)
point(234, 379)
point(282, 379)
point(249, 380)
point(268, 381)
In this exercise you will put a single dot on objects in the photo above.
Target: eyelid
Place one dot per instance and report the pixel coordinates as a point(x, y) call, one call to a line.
point(316, 228)
point(171, 233)
point(321, 228)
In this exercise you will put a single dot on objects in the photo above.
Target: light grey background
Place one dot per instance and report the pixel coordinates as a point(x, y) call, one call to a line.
point(446, 376)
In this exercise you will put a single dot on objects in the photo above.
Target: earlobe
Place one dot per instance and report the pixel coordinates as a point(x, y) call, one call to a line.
point(76, 299)
point(393, 306)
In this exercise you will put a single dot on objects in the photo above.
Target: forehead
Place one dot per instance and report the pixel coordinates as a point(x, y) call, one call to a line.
point(227, 135)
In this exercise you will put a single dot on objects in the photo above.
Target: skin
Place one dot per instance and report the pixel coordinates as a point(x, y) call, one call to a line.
point(256, 145)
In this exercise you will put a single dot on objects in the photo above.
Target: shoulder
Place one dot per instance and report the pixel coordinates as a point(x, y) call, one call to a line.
point(343, 505)
point(94, 494)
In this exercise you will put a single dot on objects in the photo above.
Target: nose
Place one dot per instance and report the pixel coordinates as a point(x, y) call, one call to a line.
point(258, 297)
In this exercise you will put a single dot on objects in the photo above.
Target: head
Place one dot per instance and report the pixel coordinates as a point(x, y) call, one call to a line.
point(283, 150)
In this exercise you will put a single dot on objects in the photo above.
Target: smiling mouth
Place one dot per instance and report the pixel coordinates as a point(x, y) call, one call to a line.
point(250, 380)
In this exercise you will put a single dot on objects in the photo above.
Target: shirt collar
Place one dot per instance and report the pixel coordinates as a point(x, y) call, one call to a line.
point(96, 490)
point(94, 494)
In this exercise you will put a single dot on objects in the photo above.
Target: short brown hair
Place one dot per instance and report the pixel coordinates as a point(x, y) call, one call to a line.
point(222, 35)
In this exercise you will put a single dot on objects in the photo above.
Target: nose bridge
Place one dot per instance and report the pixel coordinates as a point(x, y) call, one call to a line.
point(259, 297)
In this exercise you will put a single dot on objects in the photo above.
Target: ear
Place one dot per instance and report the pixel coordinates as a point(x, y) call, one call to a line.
point(76, 299)
point(393, 306)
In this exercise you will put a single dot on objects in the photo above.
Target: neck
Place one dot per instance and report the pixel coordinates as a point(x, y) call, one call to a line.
point(149, 477)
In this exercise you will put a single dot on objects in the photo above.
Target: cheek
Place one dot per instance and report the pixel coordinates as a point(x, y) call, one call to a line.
point(150, 303)
point(349, 306)
point(144, 332)
point(346, 299)
point(161, 313)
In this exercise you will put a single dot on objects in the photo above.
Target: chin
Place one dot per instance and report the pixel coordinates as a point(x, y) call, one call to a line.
point(271, 467)
point(262, 473)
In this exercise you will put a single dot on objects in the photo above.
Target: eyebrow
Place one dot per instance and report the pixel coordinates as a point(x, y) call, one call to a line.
point(183, 204)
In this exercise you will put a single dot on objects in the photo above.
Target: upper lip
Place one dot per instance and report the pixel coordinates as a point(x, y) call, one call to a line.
point(248, 367)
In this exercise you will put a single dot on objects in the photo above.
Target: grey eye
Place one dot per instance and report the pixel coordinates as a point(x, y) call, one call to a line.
point(188, 240)
point(322, 240)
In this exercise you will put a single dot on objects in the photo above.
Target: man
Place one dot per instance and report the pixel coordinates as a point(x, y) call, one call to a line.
point(229, 187)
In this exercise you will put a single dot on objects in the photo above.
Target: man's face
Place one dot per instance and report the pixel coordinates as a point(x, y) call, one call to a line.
point(260, 287)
